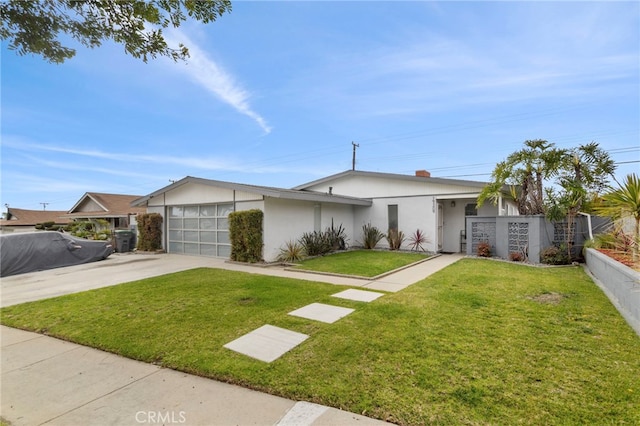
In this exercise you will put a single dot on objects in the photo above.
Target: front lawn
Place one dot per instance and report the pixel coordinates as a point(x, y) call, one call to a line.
point(480, 342)
point(364, 263)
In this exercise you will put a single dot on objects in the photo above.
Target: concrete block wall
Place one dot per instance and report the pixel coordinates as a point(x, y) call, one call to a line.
point(620, 283)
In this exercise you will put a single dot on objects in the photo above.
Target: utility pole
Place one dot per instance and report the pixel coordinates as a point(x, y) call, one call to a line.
point(44, 205)
point(353, 161)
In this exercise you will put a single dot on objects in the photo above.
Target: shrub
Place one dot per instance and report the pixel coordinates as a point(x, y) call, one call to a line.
point(553, 255)
point(395, 239)
point(150, 230)
point(316, 243)
point(293, 251)
point(484, 249)
point(245, 232)
point(417, 240)
point(337, 237)
point(516, 256)
point(371, 236)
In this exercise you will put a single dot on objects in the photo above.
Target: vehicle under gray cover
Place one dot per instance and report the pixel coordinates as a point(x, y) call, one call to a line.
point(36, 251)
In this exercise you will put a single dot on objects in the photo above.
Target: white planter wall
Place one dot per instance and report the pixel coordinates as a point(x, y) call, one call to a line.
point(620, 283)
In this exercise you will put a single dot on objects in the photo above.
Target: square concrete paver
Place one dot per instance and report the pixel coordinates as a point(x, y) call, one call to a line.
point(267, 343)
point(358, 295)
point(322, 312)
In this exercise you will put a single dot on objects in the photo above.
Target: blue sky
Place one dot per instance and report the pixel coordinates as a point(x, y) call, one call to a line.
point(275, 92)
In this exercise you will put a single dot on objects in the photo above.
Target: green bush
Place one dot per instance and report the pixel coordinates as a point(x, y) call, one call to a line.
point(553, 255)
point(245, 232)
point(150, 230)
point(371, 236)
point(316, 243)
point(337, 237)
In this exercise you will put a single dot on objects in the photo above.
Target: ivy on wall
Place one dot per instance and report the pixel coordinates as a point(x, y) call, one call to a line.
point(150, 229)
point(245, 232)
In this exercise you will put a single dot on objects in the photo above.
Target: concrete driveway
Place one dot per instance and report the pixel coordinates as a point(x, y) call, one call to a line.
point(116, 269)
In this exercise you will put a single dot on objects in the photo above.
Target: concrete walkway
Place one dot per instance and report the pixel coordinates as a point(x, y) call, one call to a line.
point(46, 380)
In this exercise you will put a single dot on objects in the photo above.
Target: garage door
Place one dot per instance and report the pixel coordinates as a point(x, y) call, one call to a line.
point(200, 230)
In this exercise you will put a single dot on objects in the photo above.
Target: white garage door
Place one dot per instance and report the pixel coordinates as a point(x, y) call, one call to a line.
point(200, 230)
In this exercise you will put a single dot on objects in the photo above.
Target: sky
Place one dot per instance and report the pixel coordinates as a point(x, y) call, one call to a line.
point(276, 93)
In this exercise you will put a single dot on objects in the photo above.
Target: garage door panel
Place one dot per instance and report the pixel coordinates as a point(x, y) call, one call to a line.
point(200, 230)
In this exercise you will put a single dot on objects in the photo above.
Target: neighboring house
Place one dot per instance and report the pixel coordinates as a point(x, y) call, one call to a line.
point(22, 220)
point(114, 208)
point(195, 210)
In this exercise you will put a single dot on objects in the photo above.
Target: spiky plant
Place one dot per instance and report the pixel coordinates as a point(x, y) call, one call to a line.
point(395, 239)
point(371, 236)
point(337, 237)
point(292, 251)
point(417, 239)
point(624, 202)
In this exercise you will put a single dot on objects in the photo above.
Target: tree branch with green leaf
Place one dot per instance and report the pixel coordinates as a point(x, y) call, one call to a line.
point(35, 27)
point(524, 172)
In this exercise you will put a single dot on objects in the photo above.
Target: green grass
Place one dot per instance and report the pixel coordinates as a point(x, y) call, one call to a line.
point(364, 263)
point(480, 342)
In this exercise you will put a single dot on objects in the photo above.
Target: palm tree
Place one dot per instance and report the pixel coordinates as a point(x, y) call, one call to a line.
point(622, 203)
point(525, 171)
point(584, 172)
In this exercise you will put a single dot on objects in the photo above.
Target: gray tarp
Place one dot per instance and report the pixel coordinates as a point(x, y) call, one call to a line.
point(35, 251)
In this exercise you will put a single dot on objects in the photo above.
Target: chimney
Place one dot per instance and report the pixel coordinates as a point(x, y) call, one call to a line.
point(423, 173)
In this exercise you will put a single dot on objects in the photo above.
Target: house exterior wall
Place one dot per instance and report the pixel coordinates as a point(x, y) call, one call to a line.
point(287, 220)
point(193, 193)
point(417, 202)
point(415, 212)
point(379, 186)
point(88, 205)
point(8, 229)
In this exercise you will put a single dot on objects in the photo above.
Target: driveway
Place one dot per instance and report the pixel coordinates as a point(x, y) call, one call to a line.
point(117, 268)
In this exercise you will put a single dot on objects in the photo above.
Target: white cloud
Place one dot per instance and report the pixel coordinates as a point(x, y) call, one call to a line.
point(206, 72)
point(33, 152)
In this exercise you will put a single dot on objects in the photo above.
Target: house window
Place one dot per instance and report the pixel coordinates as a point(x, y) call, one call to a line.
point(471, 209)
point(392, 214)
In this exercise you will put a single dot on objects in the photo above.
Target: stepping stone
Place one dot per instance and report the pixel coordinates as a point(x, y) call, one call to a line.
point(303, 413)
point(358, 295)
point(322, 312)
point(267, 343)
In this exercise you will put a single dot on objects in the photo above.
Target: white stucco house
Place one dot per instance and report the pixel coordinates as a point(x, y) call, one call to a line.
point(195, 210)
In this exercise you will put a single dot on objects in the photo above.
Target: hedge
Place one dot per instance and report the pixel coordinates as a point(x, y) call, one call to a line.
point(245, 232)
point(150, 229)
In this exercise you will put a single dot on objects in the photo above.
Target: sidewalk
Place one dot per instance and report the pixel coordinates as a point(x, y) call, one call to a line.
point(46, 380)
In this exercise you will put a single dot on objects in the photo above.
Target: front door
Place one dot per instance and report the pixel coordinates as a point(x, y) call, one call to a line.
point(440, 226)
